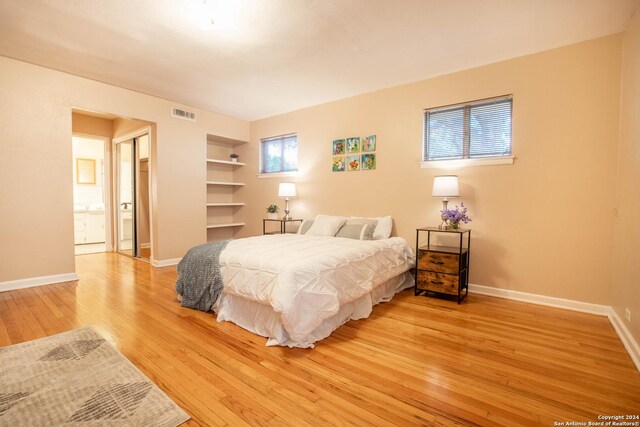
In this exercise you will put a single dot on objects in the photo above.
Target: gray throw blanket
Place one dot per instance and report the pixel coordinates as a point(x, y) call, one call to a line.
point(199, 280)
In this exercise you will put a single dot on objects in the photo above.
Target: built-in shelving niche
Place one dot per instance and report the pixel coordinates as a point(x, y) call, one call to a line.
point(222, 199)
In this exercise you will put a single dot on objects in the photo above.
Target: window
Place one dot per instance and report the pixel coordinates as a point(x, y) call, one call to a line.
point(279, 154)
point(473, 130)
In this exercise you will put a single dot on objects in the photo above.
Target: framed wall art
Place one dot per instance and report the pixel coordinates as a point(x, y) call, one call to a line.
point(353, 145)
point(368, 161)
point(369, 143)
point(354, 154)
point(353, 163)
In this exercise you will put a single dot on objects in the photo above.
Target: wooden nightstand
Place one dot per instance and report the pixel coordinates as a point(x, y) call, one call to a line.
point(283, 225)
point(443, 270)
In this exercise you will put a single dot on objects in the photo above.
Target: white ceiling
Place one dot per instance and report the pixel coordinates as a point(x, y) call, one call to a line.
point(266, 57)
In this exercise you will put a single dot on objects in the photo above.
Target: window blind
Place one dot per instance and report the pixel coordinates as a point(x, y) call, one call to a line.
point(279, 154)
point(471, 130)
point(445, 134)
point(490, 129)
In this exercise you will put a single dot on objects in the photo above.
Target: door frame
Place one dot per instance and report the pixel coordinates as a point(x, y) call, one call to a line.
point(117, 201)
point(106, 188)
point(116, 229)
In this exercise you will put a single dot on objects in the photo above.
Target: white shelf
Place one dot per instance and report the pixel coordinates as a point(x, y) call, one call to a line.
point(231, 224)
point(239, 184)
point(224, 204)
point(225, 162)
point(221, 140)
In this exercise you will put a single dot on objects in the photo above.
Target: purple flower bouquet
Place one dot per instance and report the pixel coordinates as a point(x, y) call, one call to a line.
point(455, 216)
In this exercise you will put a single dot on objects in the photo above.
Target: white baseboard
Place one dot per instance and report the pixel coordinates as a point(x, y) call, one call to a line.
point(585, 307)
point(165, 262)
point(627, 339)
point(37, 281)
point(625, 336)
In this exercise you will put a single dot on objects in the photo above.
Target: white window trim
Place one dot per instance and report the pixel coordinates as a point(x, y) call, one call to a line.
point(277, 174)
point(464, 163)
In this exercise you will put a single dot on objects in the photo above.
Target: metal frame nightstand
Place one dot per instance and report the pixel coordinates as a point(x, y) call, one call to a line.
point(443, 270)
point(283, 225)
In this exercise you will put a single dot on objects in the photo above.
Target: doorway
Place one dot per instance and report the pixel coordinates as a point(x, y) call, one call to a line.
point(90, 187)
point(132, 207)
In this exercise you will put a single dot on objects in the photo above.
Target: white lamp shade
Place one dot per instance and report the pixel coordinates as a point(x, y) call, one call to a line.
point(287, 189)
point(445, 186)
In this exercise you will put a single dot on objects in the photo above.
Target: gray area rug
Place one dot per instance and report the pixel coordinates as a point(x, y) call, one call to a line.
point(78, 378)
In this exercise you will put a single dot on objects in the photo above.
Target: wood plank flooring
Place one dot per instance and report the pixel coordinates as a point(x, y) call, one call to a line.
point(415, 361)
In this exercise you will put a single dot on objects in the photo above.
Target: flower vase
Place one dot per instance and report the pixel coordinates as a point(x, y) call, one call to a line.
point(272, 215)
point(454, 225)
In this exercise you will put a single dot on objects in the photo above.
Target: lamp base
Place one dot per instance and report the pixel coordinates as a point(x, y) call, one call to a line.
point(444, 224)
point(286, 216)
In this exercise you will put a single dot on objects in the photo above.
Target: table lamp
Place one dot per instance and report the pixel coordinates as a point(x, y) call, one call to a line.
point(445, 186)
point(286, 190)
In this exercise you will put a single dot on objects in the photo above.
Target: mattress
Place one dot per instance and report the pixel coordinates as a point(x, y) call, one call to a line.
point(304, 286)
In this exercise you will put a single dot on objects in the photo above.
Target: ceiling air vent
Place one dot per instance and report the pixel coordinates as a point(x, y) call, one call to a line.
point(183, 114)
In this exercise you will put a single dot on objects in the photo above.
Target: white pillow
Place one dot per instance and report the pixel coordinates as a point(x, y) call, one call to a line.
point(383, 228)
point(305, 226)
point(359, 229)
point(326, 225)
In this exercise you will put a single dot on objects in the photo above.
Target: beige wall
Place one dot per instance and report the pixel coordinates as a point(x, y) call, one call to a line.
point(543, 225)
point(626, 253)
point(36, 212)
point(90, 125)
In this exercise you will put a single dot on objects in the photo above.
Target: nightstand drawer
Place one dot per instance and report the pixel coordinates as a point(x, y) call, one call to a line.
point(438, 282)
point(440, 262)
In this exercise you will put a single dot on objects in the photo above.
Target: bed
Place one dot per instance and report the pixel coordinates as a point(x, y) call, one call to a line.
point(295, 289)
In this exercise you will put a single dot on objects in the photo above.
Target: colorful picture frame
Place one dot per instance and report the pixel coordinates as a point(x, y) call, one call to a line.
point(369, 143)
point(338, 164)
point(368, 161)
point(338, 147)
point(353, 145)
point(353, 163)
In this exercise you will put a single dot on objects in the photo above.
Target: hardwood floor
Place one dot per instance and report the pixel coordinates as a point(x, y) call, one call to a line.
point(415, 361)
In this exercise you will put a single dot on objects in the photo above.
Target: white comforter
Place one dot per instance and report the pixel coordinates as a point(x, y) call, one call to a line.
point(307, 278)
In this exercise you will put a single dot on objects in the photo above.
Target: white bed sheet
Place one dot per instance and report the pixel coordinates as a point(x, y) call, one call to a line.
point(307, 280)
point(262, 320)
